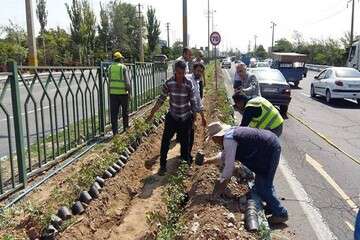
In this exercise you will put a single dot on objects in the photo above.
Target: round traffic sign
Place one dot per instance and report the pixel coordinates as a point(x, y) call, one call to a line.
point(215, 38)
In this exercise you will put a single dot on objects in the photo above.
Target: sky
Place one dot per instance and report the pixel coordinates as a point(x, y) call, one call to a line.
point(238, 21)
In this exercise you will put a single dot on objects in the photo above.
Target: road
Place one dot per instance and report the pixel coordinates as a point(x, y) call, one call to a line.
point(318, 182)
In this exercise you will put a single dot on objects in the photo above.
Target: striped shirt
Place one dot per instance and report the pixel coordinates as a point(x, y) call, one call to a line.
point(195, 82)
point(181, 98)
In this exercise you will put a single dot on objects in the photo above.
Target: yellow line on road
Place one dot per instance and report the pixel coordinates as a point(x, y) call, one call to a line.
point(352, 228)
point(318, 167)
point(357, 161)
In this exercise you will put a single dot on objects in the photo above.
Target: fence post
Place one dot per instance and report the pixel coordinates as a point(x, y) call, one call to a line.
point(18, 127)
point(101, 100)
point(135, 88)
point(153, 80)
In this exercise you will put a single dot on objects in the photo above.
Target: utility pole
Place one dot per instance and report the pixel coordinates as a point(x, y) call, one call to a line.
point(32, 58)
point(272, 39)
point(352, 22)
point(185, 29)
point(141, 47)
point(255, 37)
point(168, 34)
point(249, 46)
point(208, 35)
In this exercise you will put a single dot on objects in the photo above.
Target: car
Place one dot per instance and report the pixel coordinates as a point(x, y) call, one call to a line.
point(337, 83)
point(274, 87)
point(226, 63)
point(262, 65)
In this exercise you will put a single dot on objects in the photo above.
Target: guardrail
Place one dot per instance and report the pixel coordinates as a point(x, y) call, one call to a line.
point(45, 117)
point(317, 68)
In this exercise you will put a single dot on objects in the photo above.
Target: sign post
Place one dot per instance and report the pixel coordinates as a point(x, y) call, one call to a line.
point(215, 40)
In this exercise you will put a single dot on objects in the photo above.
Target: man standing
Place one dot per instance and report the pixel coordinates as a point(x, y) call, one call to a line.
point(186, 57)
point(245, 81)
point(179, 118)
point(120, 92)
point(198, 69)
point(201, 80)
point(259, 150)
point(258, 113)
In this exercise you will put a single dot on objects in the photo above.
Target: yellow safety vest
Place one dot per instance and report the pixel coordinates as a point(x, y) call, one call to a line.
point(270, 117)
point(117, 80)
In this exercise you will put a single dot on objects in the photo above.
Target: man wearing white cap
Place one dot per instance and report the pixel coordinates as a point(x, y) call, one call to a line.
point(257, 149)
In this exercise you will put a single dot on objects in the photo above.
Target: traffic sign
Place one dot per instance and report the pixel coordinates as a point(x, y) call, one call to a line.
point(215, 38)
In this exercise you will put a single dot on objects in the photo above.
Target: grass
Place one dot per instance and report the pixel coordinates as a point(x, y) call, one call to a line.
point(174, 198)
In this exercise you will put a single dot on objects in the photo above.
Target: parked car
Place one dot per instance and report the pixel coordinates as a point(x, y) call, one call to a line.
point(337, 83)
point(226, 63)
point(274, 87)
point(262, 65)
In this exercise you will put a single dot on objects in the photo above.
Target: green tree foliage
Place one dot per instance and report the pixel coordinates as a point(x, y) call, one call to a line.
point(41, 14)
point(76, 19)
point(260, 52)
point(283, 45)
point(153, 30)
point(103, 40)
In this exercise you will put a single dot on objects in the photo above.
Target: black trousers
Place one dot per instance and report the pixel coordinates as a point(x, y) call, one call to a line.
point(201, 88)
point(183, 131)
point(115, 102)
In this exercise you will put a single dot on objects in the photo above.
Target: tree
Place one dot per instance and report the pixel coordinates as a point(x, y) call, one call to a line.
point(153, 30)
point(260, 52)
point(76, 19)
point(283, 45)
point(88, 31)
point(104, 31)
point(42, 14)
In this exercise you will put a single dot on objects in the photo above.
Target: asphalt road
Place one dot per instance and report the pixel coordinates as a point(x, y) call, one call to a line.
point(329, 179)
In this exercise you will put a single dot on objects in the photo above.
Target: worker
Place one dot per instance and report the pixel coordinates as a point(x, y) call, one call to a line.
point(120, 92)
point(258, 113)
point(185, 57)
point(179, 118)
point(198, 69)
point(259, 150)
point(201, 80)
point(245, 81)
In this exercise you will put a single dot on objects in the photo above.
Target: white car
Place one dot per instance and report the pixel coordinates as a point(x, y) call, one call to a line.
point(337, 83)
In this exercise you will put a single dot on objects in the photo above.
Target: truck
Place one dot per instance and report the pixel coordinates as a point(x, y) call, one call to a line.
point(353, 59)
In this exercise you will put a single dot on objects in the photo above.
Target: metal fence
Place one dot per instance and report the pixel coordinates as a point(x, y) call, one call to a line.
point(48, 114)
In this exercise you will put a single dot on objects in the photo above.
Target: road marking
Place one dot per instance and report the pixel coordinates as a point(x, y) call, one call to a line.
point(352, 228)
point(306, 95)
point(312, 213)
point(357, 161)
point(318, 167)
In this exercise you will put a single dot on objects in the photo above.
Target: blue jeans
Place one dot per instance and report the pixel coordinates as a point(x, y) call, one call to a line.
point(264, 185)
point(357, 227)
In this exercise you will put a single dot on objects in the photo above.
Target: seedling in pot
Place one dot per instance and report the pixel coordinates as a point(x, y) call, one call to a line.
point(64, 213)
point(77, 208)
point(85, 197)
point(116, 167)
point(107, 174)
point(120, 163)
point(131, 149)
point(56, 221)
point(199, 158)
point(50, 233)
point(123, 158)
point(100, 181)
point(94, 191)
point(112, 171)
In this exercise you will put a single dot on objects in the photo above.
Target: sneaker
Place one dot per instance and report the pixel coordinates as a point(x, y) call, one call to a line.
point(278, 219)
point(162, 171)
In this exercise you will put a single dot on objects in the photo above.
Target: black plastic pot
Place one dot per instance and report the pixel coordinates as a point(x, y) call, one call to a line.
point(251, 216)
point(50, 233)
point(100, 181)
point(56, 221)
point(128, 151)
point(116, 167)
point(199, 158)
point(64, 213)
point(94, 191)
point(126, 154)
point(107, 174)
point(123, 158)
point(146, 133)
point(131, 149)
point(120, 163)
point(112, 170)
point(77, 208)
point(85, 197)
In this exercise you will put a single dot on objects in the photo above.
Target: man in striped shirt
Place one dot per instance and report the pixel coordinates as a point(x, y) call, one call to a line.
point(179, 118)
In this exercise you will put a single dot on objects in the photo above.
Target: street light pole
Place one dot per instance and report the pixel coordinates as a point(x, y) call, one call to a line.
point(141, 47)
point(272, 39)
point(32, 58)
point(185, 30)
point(352, 22)
point(168, 35)
point(208, 35)
point(255, 37)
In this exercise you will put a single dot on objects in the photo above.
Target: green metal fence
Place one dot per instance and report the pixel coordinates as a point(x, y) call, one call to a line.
point(46, 113)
